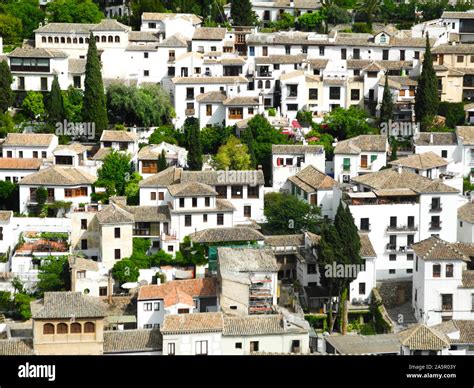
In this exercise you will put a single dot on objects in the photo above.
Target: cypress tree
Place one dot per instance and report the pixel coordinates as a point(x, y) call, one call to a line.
point(386, 110)
point(241, 13)
point(162, 163)
point(193, 143)
point(55, 103)
point(6, 93)
point(247, 139)
point(426, 99)
point(94, 109)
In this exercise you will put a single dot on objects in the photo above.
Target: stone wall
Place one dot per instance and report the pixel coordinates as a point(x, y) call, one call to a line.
point(395, 292)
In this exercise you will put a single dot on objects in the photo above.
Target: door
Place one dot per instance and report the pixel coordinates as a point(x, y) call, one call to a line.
point(313, 199)
point(363, 161)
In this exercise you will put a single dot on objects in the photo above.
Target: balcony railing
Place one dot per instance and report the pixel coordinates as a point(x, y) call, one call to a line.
point(447, 307)
point(189, 112)
point(435, 207)
point(435, 225)
point(391, 247)
point(189, 96)
point(365, 228)
point(402, 228)
point(264, 74)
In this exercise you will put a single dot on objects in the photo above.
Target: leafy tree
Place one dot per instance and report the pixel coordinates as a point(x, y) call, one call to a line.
point(426, 97)
point(41, 196)
point(137, 7)
point(28, 11)
point(73, 11)
point(386, 110)
point(7, 124)
point(17, 285)
point(192, 138)
point(324, 139)
point(454, 113)
point(247, 139)
point(6, 93)
point(94, 108)
point(33, 105)
point(72, 103)
point(22, 305)
point(286, 214)
point(369, 8)
point(337, 15)
point(311, 21)
point(241, 13)
point(114, 173)
point(165, 133)
point(346, 123)
point(394, 145)
point(285, 22)
point(191, 254)
point(361, 27)
point(132, 189)
point(125, 271)
point(305, 118)
point(213, 137)
point(9, 196)
point(55, 103)
point(53, 274)
point(11, 29)
point(161, 258)
point(232, 156)
point(5, 300)
point(141, 245)
point(162, 163)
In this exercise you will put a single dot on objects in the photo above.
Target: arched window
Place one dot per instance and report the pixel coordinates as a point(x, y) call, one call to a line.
point(110, 39)
point(104, 39)
point(62, 328)
point(97, 39)
point(68, 40)
point(63, 39)
point(50, 40)
point(267, 84)
point(117, 39)
point(89, 327)
point(87, 40)
point(260, 84)
point(56, 40)
point(43, 39)
point(48, 328)
point(75, 328)
point(81, 41)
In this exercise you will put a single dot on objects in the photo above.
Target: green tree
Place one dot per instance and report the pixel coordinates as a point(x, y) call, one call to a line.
point(213, 137)
point(337, 15)
point(22, 305)
point(94, 108)
point(287, 214)
point(28, 11)
point(454, 113)
point(114, 173)
point(426, 97)
point(132, 189)
point(369, 8)
point(41, 196)
point(305, 118)
point(192, 138)
point(241, 13)
point(33, 105)
point(324, 139)
point(285, 22)
point(72, 102)
point(346, 123)
point(125, 271)
point(162, 163)
point(394, 148)
point(232, 156)
point(73, 11)
point(53, 275)
point(165, 133)
point(55, 103)
point(6, 93)
point(11, 30)
point(9, 196)
point(17, 285)
point(311, 21)
point(386, 109)
point(137, 8)
point(247, 139)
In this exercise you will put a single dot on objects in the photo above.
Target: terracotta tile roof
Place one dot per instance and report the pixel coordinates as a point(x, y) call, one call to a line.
point(466, 248)
point(66, 304)
point(310, 179)
point(285, 240)
point(433, 248)
point(59, 176)
point(114, 214)
point(32, 52)
point(296, 149)
point(246, 260)
point(421, 161)
point(192, 323)
point(466, 212)
point(76, 66)
point(179, 291)
point(242, 100)
point(165, 178)
point(77, 148)
point(213, 96)
point(29, 139)
point(83, 264)
point(209, 33)
point(153, 151)
point(176, 40)
point(110, 25)
point(122, 136)
point(422, 337)
point(453, 49)
point(317, 63)
point(233, 61)
point(16, 347)
point(191, 189)
point(149, 213)
point(214, 235)
point(366, 247)
point(390, 179)
point(466, 133)
point(439, 138)
point(142, 36)
point(78, 28)
point(362, 143)
point(127, 341)
point(255, 325)
point(457, 15)
point(102, 153)
point(464, 327)
point(291, 74)
point(364, 344)
point(20, 164)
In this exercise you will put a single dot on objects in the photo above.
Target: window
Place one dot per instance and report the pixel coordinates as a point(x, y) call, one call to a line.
point(84, 244)
point(287, 49)
point(146, 73)
point(361, 288)
point(44, 83)
point(356, 53)
point(355, 94)
point(447, 302)
point(147, 326)
point(194, 202)
point(181, 202)
point(436, 270)
point(292, 107)
point(409, 270)
point(117, 232)
point(102, 291)
point(252, 192)
point(444, 154)
point(20, 154)
point(416, 264)
point(171, 349)
point(334, 93)
point(156, 306)
point(392, 257)
point(153, 196)
point(356, 72)
point(264, 51)
point(187, 220)
point(254, 346)
point(410, 239)
point(1, 233)
point(201, 347)
point(236, 113)
point(62, 328)
point(409, 256)
point(84, 224)
point(237, 191)
point(207, 201)
point(209, 110)
point(321, 50)
point(364, 224)
point(147, 306)
point(343, 53)
point(170, 248)
point(221, 191)
point(250, 111)
point(251, 51)
point(417, 55)
point(145, 55)
point(313, 94)
point(460, 59)
point(248, 211)
point(117, 254)
point(238, 345)
point(220, 219)
point(435, 204)
point(89, 327)
point(346, 166)
point(81, 274)
point(372, 74)
point(402, 55)
point(304, 49)
point(449, 270)
point(75, 328)
point(161, 195)
point(311, 269)
point(171, 71)
point(472, 302)
point(204, 218)
point(385, 55)
point(21, 83)
point(391, 271)
point(48, 328)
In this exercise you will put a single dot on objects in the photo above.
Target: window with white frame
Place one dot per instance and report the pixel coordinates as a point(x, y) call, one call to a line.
point(147, 306)
point(201, 347)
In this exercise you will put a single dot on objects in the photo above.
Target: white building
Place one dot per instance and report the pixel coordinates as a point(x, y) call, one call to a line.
point(14, 169)
point(123, 141)
point(466, 223)
point(421, 340)
point(29, 145)
point(361, 287)
point(359, 155)
point(288, 160)
point(442, 284)
point(148, 157)
point(189, 296)
point(168, 24)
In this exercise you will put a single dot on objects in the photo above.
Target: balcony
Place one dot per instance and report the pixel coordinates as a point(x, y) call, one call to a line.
point(189, 112)
point(447, 307)
point(264, 74)
point(365, 228)
point(189, 96)
point(401, 228)
point(391, 247)
point(435, 226)
point(435, 207)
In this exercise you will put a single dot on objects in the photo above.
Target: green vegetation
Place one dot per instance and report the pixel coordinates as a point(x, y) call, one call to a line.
point(33, 105)
point(386, 110)
point(241, 13)
point(6, 94)
point(346, 123)
point(9, 196)
point(165, 133)
point(213, 137)
point(192, 142)
point(453, 112)
point(53, 275)
point(232, 156)
point(73, 11)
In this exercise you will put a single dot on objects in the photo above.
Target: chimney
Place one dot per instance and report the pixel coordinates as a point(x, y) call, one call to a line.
point(431, 138)
point(399, 168)
point(259, 167)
